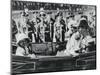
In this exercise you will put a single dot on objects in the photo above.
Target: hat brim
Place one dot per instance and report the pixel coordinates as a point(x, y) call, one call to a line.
point(25, 39)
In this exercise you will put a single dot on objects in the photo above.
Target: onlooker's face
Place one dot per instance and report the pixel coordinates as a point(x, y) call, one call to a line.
point(25, 42)
point(26, 10)
point(58, 18)
point(21, 44)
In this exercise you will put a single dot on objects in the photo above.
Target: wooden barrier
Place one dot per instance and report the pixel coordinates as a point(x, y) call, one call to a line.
point(24, 65)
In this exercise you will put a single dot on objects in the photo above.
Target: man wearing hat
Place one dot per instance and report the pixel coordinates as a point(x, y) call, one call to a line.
point(58, 30)
point(42, 26)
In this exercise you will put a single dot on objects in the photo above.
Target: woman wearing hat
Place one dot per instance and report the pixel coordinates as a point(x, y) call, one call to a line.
point(23, 43)
point(86, 36)
point(42, 26)
point(70, 28)
point(73, 44)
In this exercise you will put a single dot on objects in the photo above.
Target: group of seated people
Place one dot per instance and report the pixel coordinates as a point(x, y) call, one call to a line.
point(77, 30)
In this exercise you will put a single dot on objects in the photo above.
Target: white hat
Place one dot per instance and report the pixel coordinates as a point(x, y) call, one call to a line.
point(21, 36)
point(74, 23)
point(82, 18)
point(42, 11)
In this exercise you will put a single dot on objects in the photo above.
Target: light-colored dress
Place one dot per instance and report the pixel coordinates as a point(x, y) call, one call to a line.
point(73, 44)
point(20, 51)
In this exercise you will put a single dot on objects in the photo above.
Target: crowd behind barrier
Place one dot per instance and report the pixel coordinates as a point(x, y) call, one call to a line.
point(40, 26)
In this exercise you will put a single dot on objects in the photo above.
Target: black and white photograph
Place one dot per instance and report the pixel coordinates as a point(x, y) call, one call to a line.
point(52, 37)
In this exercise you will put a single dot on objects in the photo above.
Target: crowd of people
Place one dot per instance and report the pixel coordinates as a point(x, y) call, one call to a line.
point(79, 30)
